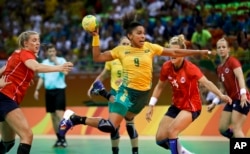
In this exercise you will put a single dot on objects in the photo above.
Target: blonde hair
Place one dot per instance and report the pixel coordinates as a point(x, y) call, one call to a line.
point(178, 40)
point(24, 36)
point(222, 39)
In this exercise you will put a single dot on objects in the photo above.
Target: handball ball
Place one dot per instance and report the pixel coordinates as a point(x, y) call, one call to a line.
point(89, 23)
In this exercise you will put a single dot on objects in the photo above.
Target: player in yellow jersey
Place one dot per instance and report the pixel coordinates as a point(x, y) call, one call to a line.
point(137, 62)
point(113, 69)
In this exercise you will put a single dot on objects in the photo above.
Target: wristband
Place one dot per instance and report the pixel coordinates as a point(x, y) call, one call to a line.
point(96, 40)
point(153, 101)
point(243, 91)
point(216, 101)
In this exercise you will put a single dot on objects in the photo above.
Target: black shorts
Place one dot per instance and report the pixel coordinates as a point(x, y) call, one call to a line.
point(173, 111)
point(55, 100)
point(6, 105)
point(236, 106)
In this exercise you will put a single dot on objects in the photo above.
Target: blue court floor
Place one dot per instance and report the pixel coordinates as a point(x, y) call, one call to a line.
point(101, 145)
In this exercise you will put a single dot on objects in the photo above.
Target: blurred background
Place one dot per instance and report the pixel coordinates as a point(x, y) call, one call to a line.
point(59, 22)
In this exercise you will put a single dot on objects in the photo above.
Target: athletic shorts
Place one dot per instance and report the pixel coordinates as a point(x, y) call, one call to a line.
point(55, 100)
point(236, 106)
point(173, 111)
point(6, 105)
point(128, 99)
point(111, 104)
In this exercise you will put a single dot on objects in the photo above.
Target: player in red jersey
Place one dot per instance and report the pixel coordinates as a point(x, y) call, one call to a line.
point(186, 106)
point(20, 69)
point(233, 83)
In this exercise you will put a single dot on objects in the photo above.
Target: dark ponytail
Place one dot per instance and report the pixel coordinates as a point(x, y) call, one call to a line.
point(130, 22)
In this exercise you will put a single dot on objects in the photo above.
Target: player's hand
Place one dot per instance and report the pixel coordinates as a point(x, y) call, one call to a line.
point(3, 81)
point(66, 67)
point(210, 107)
point(36, 95)
point(207, 53)
point(94, 33)
point(149, 113)
point(243, 100)
point(226, 98)
point(31, 83)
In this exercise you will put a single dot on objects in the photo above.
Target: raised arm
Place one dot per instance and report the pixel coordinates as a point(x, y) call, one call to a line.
point(97, 55)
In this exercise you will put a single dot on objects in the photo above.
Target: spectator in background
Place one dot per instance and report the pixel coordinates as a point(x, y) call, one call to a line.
point(186, 29)
point(201, 38)
point(237, 51)
point(223, 18)
point(212, 19)
point(232, 26)
point(196, 18)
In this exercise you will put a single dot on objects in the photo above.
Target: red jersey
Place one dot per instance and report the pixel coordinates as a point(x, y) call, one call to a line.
point(18, 74)
point(184, 83)
point(227, 77)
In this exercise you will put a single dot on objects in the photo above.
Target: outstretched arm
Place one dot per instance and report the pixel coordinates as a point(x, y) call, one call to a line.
point(37, 67)
point(183, 52)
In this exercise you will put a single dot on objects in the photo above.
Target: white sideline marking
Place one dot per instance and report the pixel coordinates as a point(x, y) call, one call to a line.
point(107, 137)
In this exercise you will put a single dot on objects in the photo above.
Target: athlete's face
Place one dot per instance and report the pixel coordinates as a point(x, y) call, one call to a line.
point(137, 37)
point(125, 41)
point(178, 60)
point(33, 43)
point(222, 48)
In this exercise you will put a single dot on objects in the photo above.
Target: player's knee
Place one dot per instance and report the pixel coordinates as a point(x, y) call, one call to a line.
point(115, 135)
point(131, 129)
point(163, 143)
point(106, 126)
point(7, 145)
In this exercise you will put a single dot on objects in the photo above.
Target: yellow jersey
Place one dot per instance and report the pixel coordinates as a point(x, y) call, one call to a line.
point(137, 64)
point(115, 68)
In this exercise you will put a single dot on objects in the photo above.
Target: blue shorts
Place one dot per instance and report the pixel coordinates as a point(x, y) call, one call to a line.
point(6, 105)
point(173, 111)
point(236, 106)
